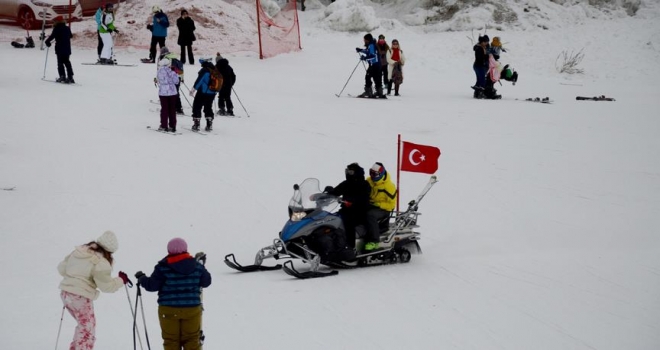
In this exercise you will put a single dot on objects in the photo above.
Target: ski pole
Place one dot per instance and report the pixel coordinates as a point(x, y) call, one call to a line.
point(130, 306)
point(46, 63)
point(144, 321)
point(239, 101)
point(60, 329)
point(184, 95)
point(349, 79)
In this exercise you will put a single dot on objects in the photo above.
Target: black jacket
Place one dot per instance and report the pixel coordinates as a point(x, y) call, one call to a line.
point(62, 36)
point(228, 76)
point(186, 31)
point(356, 190)
point(480, 57)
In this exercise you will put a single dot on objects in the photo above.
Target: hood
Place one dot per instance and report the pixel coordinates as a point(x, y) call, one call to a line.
point(223, 62)
point(182, 263)
point(83, 252)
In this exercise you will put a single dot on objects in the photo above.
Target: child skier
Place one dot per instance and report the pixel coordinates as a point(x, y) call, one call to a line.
point(106, 30)
point(62, 36)
point(228, 81)
point(177, 67)
point(178, 279)
point(209, 81)
point(167, 91)
point(84, 271)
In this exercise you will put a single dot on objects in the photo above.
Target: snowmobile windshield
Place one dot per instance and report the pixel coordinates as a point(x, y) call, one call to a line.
point(308, 197)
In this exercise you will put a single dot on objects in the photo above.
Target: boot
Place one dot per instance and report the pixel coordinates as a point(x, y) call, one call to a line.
point(209, 124)
point(70, 80)
point(230, 113)
point(195, 126)
point(60, 80)
point(221, 111)
point(389, 88)
point(368, 92)
point(379, 92)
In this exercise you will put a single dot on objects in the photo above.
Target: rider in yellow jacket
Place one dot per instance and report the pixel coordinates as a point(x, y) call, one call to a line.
point(382, 202)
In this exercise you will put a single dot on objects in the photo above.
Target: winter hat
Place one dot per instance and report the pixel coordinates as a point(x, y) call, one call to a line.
point(496, 42)
point(354, 171)
point(155, 9)
point(177, 246)
point(205, 59)
point(377, 171)
point(164, 51)
point(218, 57)
point(108, 241)
point(109, 6)
point(165, 62)
point(369, 37)
point(484, 39)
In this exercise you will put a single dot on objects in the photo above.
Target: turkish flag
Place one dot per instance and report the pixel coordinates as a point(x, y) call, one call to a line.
point(419, 158)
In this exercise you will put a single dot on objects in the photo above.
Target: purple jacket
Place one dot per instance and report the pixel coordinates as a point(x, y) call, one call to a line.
point(167, 81)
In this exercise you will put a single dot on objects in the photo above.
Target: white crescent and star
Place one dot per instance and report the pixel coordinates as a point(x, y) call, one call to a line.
point(421, 158)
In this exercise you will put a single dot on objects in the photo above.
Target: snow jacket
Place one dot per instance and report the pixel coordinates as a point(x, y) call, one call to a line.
point(97, 17)
point(177, 279)
point(228, 76)
point(480, 57)
point(160, 24)
point(85, 270)
point(371, 53)
point(62, 36)
point(203, 78)
point(391, 62)
point(107, 23)
point(186, 31)
point(383, 193)
point(167, 81)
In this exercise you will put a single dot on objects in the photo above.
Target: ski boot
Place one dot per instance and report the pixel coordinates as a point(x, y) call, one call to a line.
point(209, 124)
point(60, 80)
point(222, 111)
point(195, 126)
point(70, 80)
point(368, 92)
point(479, 92)
point(172, 129)
point(379, 92)
point(230, 113)
point(162, 129)
point(180, 111)
point(371, 246)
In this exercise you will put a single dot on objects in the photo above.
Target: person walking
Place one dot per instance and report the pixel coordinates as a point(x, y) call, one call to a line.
point(395, 60)
point(84, 272)
point(225, 106)
point(106, 30)
point(186, 27)
point(167, 92)
point(371, 56)
point(158, 29)
point(178, 278)
point(62, 36)
point(208, 82)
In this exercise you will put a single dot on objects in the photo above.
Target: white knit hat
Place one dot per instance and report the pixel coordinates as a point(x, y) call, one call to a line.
point(165, 62)
point(108, 241)
point(155, 9)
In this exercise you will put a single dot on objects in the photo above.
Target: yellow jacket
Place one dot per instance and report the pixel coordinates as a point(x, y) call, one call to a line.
point(383, 193)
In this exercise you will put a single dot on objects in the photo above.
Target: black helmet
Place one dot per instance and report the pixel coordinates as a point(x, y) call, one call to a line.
point(354, 171)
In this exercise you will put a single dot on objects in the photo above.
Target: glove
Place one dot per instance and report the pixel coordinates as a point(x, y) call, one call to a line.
point(150, 27)
point(347, 204)
point(328, 189)
point(48, 43)
point(110, 30)
point(358, 50)
point(124, 277)
point(363, 58)
point(139, 275)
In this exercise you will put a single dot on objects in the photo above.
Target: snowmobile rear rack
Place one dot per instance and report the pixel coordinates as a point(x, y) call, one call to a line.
point(249, 268)
point(290, 270)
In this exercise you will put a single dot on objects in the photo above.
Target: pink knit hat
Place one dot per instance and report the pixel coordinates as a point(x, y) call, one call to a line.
point(177, 246)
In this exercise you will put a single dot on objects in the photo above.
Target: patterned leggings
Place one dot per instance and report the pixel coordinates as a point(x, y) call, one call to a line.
point(82, 310)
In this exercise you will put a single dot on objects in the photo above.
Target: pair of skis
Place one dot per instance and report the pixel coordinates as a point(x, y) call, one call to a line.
point(199, 132)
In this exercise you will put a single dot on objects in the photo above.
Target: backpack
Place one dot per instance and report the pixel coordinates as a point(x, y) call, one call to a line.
point(215, 80)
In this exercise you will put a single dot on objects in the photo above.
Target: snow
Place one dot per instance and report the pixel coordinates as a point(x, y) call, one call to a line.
point(541, 233)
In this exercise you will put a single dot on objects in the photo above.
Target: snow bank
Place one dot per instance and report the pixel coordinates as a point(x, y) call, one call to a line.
point(350, 16)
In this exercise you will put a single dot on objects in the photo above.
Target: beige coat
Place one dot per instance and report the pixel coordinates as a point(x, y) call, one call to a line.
point(85, 270)
point(391, 62)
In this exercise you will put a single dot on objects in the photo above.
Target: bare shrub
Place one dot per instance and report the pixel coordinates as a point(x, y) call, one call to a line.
point(567, 62)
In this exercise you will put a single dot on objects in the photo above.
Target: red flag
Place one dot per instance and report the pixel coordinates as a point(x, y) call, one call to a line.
point(419, 158)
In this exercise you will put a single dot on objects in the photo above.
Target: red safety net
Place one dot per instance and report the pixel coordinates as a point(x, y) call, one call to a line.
point(280, 32)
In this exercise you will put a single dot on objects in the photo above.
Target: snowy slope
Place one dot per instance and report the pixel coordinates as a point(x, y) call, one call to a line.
point(541, 234)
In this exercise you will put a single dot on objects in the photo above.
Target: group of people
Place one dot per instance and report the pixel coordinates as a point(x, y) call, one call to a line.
point(178, 278)
point(365, 201)
point(385, 66)
point(487, 68)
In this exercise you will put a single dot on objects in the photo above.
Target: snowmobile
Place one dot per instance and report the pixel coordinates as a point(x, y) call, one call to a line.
point(314, 234)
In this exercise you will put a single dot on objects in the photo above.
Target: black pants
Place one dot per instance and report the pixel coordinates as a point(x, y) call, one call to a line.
point(191, 58)
point(160, 40)
point(62, 62)
point(224, 99)
point(350, 223)
point(205, 101)
point(374, 73)
point(383, 72)
point(179, 107)
point(99, 46)
point(374, 215)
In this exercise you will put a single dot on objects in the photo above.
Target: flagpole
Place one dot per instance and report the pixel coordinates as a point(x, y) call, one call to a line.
point(398, 170)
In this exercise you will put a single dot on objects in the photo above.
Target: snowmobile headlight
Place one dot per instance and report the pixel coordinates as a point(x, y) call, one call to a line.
point(297, 216)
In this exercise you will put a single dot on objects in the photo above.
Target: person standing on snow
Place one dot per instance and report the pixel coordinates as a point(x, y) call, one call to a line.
point(383, 52)
point(382, 201)
point(97, 17)
point(177, 67)
point(480, 66)
point(62, 36)
point(158, 29)
point(225, 106)
point(168, 81)
point(106, 30)
point(85, 270)
point(396, 60)
point(178, 279)
point(370, 54)
point(205, 96)
point(186, 27)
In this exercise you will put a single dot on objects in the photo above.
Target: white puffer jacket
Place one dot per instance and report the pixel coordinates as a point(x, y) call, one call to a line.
point(85, 270)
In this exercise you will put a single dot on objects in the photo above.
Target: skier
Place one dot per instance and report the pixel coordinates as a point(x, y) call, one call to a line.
point(178, 279)
point(396, 60)
point(207, 85)
point(168, 81)
point(382, 201)
point(383, 52)
point(355, 192)
point(62, 36)
point(158, 32)
point(480, 66)
point(370, 54)
point(97, 17)
point(228, 81)
point(106, 30)
point(177, 66)
point(87, 268)
point(186, 27)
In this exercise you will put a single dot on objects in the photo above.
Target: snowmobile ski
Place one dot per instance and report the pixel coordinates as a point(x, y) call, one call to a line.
point(108, 65)
point(290, 270)
point(249, 268)
point(164, 132)
point(595, 98)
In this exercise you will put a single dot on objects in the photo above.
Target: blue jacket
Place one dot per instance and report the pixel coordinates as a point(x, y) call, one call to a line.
point(62, 36)
point(177, 279)
point(97, 17)
point(371, 53)
point(160, 28)
point(203, 78)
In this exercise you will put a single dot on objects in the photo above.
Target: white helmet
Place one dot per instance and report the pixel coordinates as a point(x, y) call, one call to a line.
point(155, 9)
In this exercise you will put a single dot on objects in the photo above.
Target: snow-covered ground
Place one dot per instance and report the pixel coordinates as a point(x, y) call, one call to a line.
point(541, 233)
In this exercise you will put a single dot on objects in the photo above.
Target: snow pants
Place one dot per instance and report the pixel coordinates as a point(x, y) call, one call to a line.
point(205, 101)
point(374, 73)
point(180, 327)
point(106, 52)
point(168, 111)
point(82, 310)
point(374, 215)
point(64, 62)
point(224, 100)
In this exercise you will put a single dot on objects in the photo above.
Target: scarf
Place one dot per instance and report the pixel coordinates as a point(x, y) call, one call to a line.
point(395, 55)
